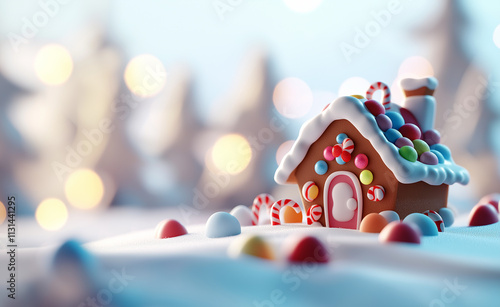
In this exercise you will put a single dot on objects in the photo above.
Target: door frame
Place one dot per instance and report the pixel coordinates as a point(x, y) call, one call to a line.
point(358, 192)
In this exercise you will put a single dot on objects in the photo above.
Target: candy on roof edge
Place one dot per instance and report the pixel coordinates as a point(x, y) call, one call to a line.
point(353, 110)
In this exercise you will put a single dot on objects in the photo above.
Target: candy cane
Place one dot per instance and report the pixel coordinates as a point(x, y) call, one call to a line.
point(261, 199)
point(313, 214)
point(387, 93)
point(275, 209)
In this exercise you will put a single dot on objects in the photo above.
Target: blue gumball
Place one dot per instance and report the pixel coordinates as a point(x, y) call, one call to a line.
point(392, 135)
point(424, 223)
point(321, 167)
point(396, 118)
point(445, 151)
point(341, 137)
point(447, 216)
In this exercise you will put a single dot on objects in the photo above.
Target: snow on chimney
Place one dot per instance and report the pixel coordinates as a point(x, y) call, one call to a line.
point(419, 100)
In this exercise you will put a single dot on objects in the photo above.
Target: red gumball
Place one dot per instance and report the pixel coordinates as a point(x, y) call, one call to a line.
point(482, 215)
point(169, 229)
point(492, 199)
point(345, 156)
point(374, 107)
point(306, 249)
point(400, 232)
point(410, 131)
point(337, 150)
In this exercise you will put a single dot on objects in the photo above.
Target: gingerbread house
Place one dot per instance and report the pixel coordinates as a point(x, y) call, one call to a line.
point(360, 156)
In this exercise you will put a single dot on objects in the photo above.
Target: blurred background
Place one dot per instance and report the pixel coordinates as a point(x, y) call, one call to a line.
point(124, 110)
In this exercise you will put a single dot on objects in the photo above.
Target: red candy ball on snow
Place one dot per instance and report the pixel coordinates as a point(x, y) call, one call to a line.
point(492, 199)
point(410, 131)
point(482, 215)
point(399, 232)
point(306, 249)
point(169, 229)
point(374, 107)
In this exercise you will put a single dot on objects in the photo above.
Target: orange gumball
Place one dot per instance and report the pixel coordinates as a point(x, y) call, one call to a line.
point(290, 216)
point(373, 223)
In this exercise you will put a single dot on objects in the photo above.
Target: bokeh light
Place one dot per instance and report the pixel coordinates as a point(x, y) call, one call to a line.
point(496, 36)
point(292, 97)
point(283, 149)
point(84, 189)
point(354, 86)
point(231, 154)
point(51, 214)
point(53, 64)
point(415, 67)
point(3, 213)
point(302, 6)
point(145, 75)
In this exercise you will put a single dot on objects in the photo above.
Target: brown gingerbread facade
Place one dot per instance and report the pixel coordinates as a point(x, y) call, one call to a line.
point(351, 160)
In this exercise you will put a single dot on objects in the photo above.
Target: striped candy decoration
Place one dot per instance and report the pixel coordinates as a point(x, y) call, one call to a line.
point(348, 145)
point(261, 199)
point(275, 209)
point(387, 93)
point(313, 214)
point(376, 193)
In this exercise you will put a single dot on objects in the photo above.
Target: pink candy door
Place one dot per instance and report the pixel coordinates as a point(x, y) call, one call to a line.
point(343, 200)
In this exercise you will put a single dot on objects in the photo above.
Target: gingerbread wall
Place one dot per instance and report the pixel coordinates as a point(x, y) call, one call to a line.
point(381, 174)
point(419, 197)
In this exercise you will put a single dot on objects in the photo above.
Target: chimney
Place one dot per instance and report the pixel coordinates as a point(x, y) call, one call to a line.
point(419, 100)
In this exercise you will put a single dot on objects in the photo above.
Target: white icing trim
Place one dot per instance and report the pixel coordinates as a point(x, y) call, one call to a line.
point(358, 195)
point(410, 84)
point(353, 110)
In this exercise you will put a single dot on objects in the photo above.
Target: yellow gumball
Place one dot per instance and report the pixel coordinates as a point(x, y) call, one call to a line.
point(366, 177)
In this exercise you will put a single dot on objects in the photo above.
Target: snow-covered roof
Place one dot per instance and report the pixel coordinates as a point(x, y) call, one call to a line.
point(353, 110)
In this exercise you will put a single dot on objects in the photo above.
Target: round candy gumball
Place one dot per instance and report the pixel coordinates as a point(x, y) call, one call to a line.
point(340, 161)
point(328, 153)
point(397, 232)
point(305, 249)
point(403, 142)
point(409, 153)
point(396, 119)
point(289, 216)
point(366, 177)
point(445, 151)
point(392, 135)
point(492, 199)
point(390, 216)
point(410, 131)
point(345, 156)
point(424, 223)
point(361, 161)
point(374, 107)
point(436, 218)
point(337, 150)
point(383, 122)
point(420, 146)
point(376, 193)
point(447, 216)
point(438, 155)
point(243, 214)
point(428, 158)
point(321, 167)
point(341, 137)
point(251, 246)
point(169, 229)
point(222, 224)
point(373, 223)
point(310, 191)
point(483, 214)
point(432, 137)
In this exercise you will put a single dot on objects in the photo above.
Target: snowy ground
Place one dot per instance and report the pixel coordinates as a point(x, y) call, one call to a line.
point(460, 267)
